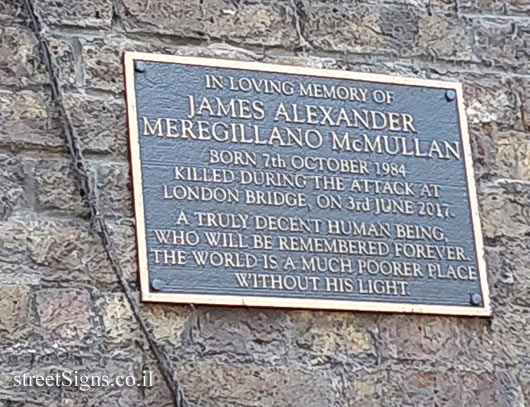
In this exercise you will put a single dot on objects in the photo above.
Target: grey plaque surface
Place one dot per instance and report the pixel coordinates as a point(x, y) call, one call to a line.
point(267, 185)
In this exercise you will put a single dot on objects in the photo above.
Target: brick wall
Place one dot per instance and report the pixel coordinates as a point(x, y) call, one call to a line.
point(68, 285)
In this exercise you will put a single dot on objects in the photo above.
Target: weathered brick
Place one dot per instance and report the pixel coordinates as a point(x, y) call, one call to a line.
point(501, 340)
point(57, 189)
point(428, 4)
point(510, 7)
point(490, 99)
point(19, 61)
point(502, 43)
point(493, 111)
point(159, 394)
point(102, 58)
point(28, 119)
point(100, 124)
point(14, 308)
point(260, 23)
point(508, 266)
point(66, 54)
point(103, 63)
point(64, 314)
point(249, 334)
point(419, 337)
point(513, 155)
point(442, 36)
point(367, 389)
point(415, 388)
point(523, 374)
point(62, 251)
point(505, 210)
point(77, 13)
point(113, 395)
point(335, 335)
point(484, 151)
point(482, 389)
point(402, 69)
point(17, 273)
point(119, 321)
point(523, 87)
point(227, 384)
point(12, 12)
point(510, 329)
point(123, 235)
point(114, 189)
point(166, 323)
point(308, 61)
point(403, 30)
point(12, 192)
point(357, 28)
point(478, 349)
point(451, 388)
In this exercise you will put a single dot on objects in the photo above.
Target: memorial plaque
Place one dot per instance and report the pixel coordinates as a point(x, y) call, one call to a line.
point(280, 186)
